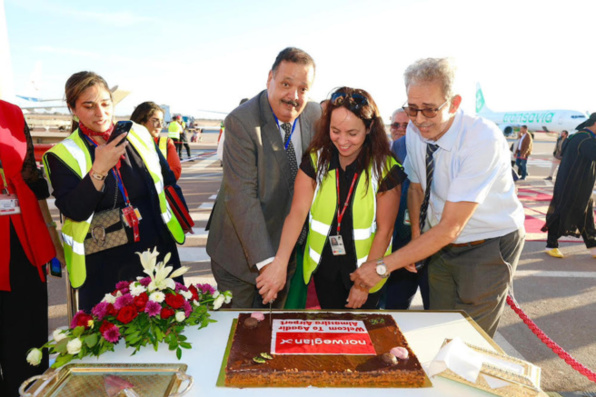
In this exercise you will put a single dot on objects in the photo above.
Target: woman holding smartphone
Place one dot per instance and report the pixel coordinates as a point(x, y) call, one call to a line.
point(103, 188)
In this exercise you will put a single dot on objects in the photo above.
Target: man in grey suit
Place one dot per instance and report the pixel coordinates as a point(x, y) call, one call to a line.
point(265, 140)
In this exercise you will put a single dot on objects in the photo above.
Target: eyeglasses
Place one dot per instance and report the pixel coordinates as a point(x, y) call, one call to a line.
point(397, 126)
point(157, 122)
point(355, 100)
point(426, 112)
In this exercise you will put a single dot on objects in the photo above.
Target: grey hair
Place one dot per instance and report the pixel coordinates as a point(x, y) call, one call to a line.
point(430, 70)
point(397, 111)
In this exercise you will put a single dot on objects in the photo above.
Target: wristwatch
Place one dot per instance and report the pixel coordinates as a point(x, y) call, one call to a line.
point(382, 269)
point(97, 176)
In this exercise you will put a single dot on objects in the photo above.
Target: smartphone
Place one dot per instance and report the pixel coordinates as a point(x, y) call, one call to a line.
point(55, 268)
point(122, 127)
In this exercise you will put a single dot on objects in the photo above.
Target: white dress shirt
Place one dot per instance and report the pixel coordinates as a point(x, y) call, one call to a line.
point(472, 164)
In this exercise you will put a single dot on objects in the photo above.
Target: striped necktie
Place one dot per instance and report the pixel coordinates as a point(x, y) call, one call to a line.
point(430, 168)
point(287, 127)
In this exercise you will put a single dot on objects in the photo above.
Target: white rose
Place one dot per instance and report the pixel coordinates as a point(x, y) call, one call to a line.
point(186, 294)
point(34, 357)
point(109, 298)
point(216, 294)
point(218, 301)
point(228, 296)
point(74, 346)
point(157, 296)
point(180, 316)
point(59, 335)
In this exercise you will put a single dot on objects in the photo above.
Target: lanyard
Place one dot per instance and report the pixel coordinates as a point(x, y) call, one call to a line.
point(128, 210)
point(287, 143)
point(340, 215)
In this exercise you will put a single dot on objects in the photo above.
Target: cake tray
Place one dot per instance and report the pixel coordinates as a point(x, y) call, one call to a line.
point(74, 380)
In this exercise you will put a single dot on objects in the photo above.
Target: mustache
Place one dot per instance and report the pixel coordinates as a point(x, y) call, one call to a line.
point(290, 102)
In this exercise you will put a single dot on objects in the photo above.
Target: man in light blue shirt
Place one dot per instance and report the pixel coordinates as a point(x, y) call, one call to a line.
point(473, 229)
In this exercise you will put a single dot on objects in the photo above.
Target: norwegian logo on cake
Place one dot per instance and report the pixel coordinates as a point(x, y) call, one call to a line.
point(320, 337)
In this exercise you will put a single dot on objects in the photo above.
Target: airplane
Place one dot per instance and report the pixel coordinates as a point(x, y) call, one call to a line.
point(30, 101)
point(549, 120)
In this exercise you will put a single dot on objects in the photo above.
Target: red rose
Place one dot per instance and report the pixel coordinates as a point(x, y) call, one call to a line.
point(111, 310)
point(175, 300)
point(195, 293)
point(127, 314)
point(105, 326)
point(141, 301)
point(166, 313)
point(83, 320)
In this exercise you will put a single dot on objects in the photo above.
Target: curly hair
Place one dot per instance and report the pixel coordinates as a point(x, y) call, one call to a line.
point(375, 149)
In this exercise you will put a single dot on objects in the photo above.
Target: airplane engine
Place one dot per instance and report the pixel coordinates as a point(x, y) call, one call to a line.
point(508, 130)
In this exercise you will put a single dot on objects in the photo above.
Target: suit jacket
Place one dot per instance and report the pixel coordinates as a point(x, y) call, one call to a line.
point(256, 191)
point(526, 147)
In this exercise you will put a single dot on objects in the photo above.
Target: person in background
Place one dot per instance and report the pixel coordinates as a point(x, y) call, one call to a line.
point(174, 131)
point(183, 139)
point(150, 116)
point(28, 241)
point(571, 210)
point(557, 154)
point(399, 123)
point(264, 140)
point(461, 196)
point(348, 183)
point(90, 175)
point(523, 150)
point(403, 284)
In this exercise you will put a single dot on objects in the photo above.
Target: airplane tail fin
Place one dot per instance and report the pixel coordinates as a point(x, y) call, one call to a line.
point(480, 103)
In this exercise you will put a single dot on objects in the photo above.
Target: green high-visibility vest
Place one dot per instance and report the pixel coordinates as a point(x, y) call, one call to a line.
point(324, 207)
point(74, 154)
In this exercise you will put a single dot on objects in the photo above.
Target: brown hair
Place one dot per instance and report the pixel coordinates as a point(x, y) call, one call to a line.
point(79, 82)
point(142, 112)
point(375, 149)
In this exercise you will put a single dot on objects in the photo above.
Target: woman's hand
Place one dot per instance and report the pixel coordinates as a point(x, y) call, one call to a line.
point(107, 155)
point(271, 280)
point(357, 297)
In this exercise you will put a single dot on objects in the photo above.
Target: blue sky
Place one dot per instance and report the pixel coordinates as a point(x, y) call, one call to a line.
point(207, 55)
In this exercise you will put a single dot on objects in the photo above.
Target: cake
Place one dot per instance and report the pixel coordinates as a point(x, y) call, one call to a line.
point(320, 349)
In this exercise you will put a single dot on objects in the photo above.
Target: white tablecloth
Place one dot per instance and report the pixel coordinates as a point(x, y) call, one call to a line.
point(425, 332)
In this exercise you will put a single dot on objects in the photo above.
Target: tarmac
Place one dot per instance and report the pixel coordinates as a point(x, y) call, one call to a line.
point(559, 295)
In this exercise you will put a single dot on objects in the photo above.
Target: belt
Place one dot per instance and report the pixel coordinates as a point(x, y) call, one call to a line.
point(470, 244)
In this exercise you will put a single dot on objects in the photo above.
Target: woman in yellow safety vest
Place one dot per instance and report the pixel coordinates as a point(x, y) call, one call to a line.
point(90, 176)
point(349, 186)
point(150, 115)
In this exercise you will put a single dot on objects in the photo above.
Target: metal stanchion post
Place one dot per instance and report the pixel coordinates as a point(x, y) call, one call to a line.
point(72, 299)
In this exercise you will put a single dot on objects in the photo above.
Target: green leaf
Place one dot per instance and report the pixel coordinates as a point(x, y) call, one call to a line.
point(179, 353)
point(91, 340)
point(78, 331)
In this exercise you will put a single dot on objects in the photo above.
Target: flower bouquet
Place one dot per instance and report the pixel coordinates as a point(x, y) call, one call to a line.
point(151, 310)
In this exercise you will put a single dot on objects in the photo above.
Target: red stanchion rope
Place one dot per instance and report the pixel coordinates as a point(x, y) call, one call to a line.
point(550, 343)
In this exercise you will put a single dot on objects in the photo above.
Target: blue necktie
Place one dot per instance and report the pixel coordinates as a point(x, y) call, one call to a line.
point(287, 127)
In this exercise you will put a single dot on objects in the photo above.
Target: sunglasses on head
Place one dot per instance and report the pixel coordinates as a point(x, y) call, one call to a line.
point(354, 101)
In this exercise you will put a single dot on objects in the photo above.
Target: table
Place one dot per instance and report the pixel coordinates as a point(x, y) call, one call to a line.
point(424, 330)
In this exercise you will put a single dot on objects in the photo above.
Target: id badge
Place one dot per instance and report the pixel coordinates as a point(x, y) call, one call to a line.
point(337, 245)
point(127, 212)
point(9, 204)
